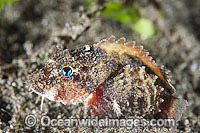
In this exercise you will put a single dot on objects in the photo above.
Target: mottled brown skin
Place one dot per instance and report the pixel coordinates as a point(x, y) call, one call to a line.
point(109, 80)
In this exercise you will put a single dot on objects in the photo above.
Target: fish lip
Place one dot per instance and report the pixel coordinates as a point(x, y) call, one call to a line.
point(47, 94)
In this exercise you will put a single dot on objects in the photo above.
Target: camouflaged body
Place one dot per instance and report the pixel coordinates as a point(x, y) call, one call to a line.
point(124, 84)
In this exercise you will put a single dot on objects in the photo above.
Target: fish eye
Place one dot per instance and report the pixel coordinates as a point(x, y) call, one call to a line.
point(66, 71)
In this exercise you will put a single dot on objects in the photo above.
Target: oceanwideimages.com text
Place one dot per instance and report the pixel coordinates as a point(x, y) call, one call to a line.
point(130, 123)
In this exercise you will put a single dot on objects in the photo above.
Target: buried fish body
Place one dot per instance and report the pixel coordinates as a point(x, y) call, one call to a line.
point(111, 77)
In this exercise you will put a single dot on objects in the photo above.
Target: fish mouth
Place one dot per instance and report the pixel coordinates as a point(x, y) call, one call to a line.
point(49, 94)
point(64, 95)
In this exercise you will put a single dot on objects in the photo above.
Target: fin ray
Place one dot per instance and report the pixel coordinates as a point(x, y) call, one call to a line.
point(121, 40)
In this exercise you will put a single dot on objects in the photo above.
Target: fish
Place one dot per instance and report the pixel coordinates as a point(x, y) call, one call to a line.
point(112, 77)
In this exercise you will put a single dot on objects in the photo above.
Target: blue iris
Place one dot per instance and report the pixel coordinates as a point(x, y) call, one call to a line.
point(66, 71)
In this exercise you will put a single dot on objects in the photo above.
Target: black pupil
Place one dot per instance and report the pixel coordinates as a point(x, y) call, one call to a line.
point(67, 71)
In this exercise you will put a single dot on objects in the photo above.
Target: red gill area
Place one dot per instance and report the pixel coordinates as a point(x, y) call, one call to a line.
point(97, 102)
point(95, 96)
